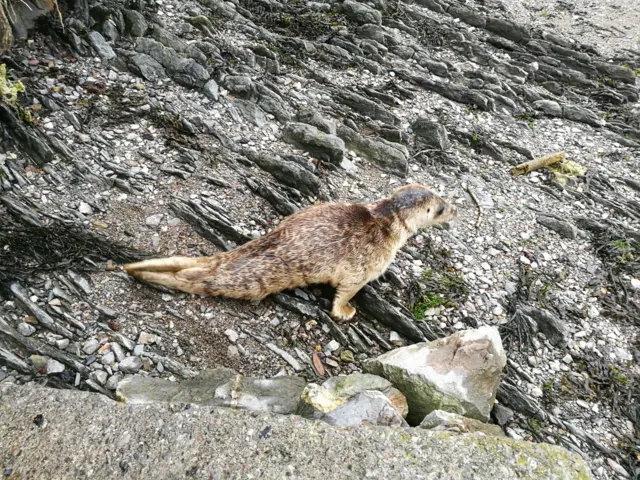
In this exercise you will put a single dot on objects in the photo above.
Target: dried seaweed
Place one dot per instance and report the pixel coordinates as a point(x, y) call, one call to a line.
point(28, 250)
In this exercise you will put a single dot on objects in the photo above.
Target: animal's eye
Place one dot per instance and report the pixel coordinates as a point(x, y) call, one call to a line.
point(428, 210)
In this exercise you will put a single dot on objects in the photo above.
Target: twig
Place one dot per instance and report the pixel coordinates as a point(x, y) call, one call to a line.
point(475, 200)
point(427, 150)
point(541, 162)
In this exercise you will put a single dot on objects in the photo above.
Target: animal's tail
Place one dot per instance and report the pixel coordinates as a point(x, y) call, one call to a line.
point(179, 273)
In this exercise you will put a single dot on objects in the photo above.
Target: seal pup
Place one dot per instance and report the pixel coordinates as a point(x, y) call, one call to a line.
point(344, 245)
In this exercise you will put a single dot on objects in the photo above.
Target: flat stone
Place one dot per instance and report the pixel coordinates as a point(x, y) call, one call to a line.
point(561, 227)
point(220, 441)
point(548, 323)
point(54, 366)
point(147, 67)
point(549, 107)
point(221, 387)
point(387, 156)
point(452, 422)
point(369, 407)
point(91, 346)
point(317, 401)
point(130, 364)
point(154, 220)
point(459, 374)
point(320, 144)
point(101, 46)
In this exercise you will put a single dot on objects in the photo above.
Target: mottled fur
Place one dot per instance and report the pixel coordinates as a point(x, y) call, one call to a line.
point(345, 245)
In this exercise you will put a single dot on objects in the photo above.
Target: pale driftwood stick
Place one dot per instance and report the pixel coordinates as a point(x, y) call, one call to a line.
point(475, 200)
point(541, 162)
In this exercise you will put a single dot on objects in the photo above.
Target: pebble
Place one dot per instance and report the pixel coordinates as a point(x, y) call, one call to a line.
point(582, 403)
point(147, 338)
point(232, 351)
point(567, 359)
point(232, 335)
point(333, 346)
point(100, 377)
point(118, 351)
point(25, 329)
point(62, 343)
point(108, 358)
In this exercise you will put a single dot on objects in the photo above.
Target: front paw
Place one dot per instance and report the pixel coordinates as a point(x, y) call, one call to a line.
point(344, 315)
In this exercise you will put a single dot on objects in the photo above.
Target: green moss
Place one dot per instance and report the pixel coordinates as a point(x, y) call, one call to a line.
point(428, 301)
point(9, 90)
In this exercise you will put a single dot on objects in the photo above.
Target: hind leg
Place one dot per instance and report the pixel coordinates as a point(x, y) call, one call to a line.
point(170, 280)
point(171, 264)
point(345, 292)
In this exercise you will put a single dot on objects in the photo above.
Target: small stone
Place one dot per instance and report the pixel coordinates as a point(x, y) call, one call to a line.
point(347, 356)
point(131, 364)
point(108, 358)
point(567, 359)
point(498, 310)
point(635, 283)
point(154, 220)
point(39, 362)
point(232, 335)
point(333, 346)
point(91, 346)
point(232, 351)
point(536, 392)
point(395, 338)
point(211, 90)
point(85, 208)
point(25, 329)
point(502, 414)
point(54, 366)
point(62, 343)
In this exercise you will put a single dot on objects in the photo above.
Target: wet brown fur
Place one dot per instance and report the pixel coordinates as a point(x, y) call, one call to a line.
point(344, 245)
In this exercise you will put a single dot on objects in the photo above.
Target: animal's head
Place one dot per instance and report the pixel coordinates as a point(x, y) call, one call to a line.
point(420, 207)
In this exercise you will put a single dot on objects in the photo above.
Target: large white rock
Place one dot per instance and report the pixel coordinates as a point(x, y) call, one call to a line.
point(460, 373)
